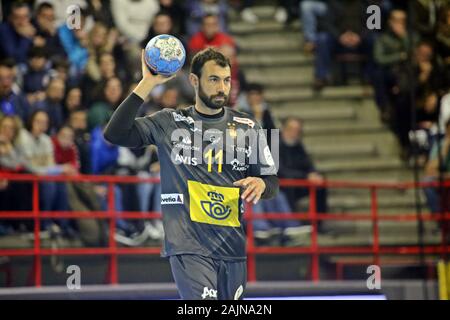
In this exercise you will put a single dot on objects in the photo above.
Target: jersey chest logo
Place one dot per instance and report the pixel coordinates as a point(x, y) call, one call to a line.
point(213, 204)
point(215, 207)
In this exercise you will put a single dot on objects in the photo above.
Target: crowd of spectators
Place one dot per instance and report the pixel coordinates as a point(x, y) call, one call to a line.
point(59, 86)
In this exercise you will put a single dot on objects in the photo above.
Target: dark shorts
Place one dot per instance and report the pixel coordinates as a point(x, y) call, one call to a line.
point(202, 278)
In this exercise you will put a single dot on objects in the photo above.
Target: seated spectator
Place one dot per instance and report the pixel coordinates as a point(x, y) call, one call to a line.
point(61, 69)
point(246, 10)
point(64, 147)
point(344, 31)
point(444, 111)
point(17, 33)
point(391, 83)
point(14, 195)
point(443, 42)
point(162, 24)
point(101, 12)
point(75, 42)
point(133, 19)
point(101, 111)
point(52, 104)
point(66, 153)
point(428, 84)
point(426, 69)
point(92, 88)
point(60, 9)
point(440, 149)
point(10, 158)
point(46, 31)
point(210, 35)
point(78, 121)
point(103, 154)
point(72, 101)
point(168, 99)
point(254, 103)
point(37, 148)
point(238, 81)
point(143, 163)
point(311, 11)
point(12, 102)
point(105, 41)
point(36, 75)
point(287, 11)
point(180, 83)
point(198, 9)
point(299, 165)
point(177, 15)
point(104, 160)
point(425, 16)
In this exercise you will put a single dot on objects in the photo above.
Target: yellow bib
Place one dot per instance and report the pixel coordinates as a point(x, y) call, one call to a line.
point(213, 204)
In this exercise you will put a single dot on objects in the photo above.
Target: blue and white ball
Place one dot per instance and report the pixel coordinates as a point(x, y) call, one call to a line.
point(165, 55)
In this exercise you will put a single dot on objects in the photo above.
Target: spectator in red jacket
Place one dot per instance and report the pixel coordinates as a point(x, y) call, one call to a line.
point(64, 147)
point(209, 36)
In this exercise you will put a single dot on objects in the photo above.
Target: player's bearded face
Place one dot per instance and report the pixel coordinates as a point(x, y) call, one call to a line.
point(215, 101)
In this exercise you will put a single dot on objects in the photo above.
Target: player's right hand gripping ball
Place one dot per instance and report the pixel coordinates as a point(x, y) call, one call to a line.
point(165, 55)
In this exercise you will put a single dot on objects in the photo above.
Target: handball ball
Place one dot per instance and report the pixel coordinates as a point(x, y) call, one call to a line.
point(165, 55)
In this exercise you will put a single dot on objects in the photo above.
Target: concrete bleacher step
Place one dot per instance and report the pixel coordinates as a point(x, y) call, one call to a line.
point(372, 176)
point(26, 240)
point(330, 93)
point(286, 35)
point(396, 227)
point(364, 165)
point(344, 203)
point(382, 192)
point(275, 80)
point(359, 104)
point(383, 138)
point(264, 12)
point(270, 60)
point(275, 45)
point(337, 152)
point(317, 114)
point(385, 228)
point(366, 239)
point(334, 127)
point(267, 27)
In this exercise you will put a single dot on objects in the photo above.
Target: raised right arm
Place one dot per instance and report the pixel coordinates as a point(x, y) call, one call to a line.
point(122, 129)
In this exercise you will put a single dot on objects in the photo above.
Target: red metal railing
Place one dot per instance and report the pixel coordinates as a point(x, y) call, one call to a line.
point(314, 250)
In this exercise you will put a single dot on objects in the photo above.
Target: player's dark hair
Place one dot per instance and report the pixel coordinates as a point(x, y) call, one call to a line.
point(206, 55)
